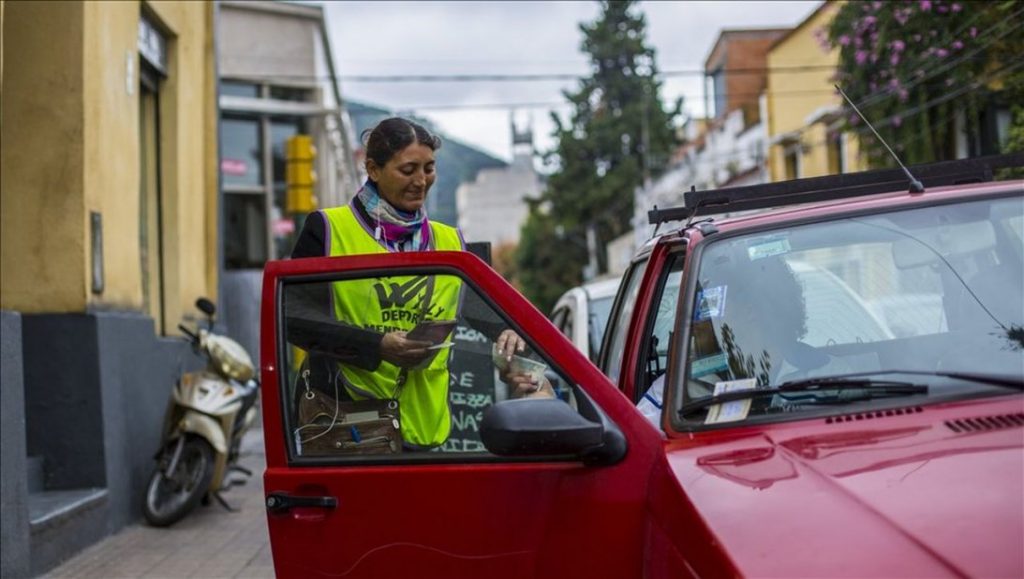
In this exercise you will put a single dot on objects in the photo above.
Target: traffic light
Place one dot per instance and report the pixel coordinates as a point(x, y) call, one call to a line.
point(300, 175)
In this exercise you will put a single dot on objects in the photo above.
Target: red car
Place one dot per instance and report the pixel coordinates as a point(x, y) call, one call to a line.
point(841, 383)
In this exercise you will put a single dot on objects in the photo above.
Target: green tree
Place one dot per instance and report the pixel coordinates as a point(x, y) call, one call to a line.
point(911, 66)
point(618, 135)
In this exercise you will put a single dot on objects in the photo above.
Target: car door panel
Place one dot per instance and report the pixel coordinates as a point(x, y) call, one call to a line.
point(467, 516)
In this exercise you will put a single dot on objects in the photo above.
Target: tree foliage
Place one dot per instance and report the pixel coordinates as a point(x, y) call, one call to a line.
point(911, 66)
point(618, 134)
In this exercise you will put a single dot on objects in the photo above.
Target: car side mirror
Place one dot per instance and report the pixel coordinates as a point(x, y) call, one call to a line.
point(538, 427)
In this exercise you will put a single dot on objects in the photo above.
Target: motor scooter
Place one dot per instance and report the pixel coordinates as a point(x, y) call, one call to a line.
point(209, 412)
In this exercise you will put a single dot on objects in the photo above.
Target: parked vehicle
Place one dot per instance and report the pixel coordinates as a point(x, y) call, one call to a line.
point(208, 414)
point(800, 434)
point(581, 313)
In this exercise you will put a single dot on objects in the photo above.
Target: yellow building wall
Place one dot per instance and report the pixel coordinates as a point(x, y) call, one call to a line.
point(794, 95)
point(76, 122)
point(42, 210)
point(109, 60)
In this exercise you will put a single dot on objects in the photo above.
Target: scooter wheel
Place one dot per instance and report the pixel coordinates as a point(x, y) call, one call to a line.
point(172, 495)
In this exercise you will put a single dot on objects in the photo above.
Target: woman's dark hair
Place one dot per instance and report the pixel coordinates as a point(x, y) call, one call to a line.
point(392, 135)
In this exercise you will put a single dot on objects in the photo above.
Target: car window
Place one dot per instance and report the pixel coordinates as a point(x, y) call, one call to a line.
point(926, 290)
point(659, 335)
point(600, 309)
point(340, 384)
point(616, 339)
point(562, 319)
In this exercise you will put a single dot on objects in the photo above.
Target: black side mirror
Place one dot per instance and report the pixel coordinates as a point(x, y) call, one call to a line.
point(538, 427)
point(208, 308)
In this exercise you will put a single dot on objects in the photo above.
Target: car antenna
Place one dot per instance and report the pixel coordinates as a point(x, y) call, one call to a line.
point(915, 185)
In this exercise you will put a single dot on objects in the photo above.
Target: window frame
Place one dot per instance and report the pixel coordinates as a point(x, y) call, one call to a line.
point(635, 272)
point(586, 405)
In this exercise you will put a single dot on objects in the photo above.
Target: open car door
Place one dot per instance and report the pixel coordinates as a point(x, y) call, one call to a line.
point(514, 488)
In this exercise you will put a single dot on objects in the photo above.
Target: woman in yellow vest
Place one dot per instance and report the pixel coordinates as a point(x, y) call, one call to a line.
point(387, 215)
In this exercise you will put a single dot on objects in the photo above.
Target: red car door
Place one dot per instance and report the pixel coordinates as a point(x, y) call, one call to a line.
point(546, 503)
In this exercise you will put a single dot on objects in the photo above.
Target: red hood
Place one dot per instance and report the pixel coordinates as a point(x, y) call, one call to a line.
point(909, 495)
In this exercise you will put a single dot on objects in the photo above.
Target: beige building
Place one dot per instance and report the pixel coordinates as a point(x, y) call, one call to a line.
point(108, 234)
point(493, 207)
point(803, 109)
point(271, 92)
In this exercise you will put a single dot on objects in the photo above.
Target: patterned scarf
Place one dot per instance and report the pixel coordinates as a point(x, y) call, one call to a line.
point(400, 230)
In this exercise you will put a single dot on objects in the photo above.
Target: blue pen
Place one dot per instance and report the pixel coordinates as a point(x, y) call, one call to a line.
point(355, 434)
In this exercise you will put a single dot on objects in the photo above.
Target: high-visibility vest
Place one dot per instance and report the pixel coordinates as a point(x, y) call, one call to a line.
point(387, 304)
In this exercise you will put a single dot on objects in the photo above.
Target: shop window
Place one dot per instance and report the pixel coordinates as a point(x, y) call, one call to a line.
point(284, 227)
point(245, 234)
point(241, 162)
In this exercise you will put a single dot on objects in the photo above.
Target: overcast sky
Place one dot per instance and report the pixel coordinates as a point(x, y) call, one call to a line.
point(502, 37)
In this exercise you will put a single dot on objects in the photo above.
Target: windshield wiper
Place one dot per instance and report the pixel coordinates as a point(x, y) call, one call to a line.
point(1015, 382)
point(811, 387)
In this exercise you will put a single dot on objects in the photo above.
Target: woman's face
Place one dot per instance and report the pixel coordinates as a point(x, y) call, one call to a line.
point(405, 179)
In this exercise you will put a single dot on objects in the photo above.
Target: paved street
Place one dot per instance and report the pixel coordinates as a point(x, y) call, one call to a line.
point(209, 543)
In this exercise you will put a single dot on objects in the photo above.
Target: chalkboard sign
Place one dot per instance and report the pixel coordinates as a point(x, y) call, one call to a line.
point(471, 389)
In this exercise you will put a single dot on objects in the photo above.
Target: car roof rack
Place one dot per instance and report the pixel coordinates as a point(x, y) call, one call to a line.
point(832, 187)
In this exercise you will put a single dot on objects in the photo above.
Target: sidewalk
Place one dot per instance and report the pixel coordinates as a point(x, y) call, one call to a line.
point(209, 543)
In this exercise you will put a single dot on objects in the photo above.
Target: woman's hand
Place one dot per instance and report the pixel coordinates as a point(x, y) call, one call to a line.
point(509, 343)
point(401, 351)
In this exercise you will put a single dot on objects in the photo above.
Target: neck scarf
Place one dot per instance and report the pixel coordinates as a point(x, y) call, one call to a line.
point(398, 230)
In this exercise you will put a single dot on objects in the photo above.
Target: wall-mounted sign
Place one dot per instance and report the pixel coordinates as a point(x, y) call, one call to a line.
point(152, 45)
point(235, 167)
point(283, 227)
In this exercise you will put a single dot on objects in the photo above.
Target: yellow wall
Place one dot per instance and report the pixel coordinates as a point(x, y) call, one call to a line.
point(794, 95)
point(42, 211)
point(75, 118)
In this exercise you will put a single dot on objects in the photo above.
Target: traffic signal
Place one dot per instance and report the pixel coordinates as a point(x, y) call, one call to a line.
point(300, 175)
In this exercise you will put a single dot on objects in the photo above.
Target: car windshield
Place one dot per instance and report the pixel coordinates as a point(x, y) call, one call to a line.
point(933, 290)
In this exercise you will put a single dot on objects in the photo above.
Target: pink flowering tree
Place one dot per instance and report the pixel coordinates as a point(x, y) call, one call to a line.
point(911, 66)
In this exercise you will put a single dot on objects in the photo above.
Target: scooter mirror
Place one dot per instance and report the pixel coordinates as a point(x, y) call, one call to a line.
point(206, 306)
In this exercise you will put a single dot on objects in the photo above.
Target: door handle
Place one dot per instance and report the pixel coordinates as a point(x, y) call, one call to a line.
point(282, 503)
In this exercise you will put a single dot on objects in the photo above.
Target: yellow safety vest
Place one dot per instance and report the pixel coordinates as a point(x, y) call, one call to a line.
point(387, 304)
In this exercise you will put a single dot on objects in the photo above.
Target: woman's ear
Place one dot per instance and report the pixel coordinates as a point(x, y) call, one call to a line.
point(372, 170)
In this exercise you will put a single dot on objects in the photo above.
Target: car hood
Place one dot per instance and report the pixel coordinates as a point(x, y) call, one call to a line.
point(926, 491)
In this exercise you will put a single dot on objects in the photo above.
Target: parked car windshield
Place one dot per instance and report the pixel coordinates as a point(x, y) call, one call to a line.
point(932, 290)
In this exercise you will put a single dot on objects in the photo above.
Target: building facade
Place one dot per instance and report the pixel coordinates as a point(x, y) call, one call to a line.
point(729, 148)
point(804, 111)
point(493, 207)
point(108, 234)
point(269, 93)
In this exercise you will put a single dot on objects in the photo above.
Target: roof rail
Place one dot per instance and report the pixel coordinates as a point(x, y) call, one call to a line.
point(832, 187)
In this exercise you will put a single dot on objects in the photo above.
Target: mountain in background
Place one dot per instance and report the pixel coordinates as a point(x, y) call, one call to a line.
point(456, 162)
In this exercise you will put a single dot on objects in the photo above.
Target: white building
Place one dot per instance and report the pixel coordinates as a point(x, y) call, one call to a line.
point(277, 79)
point(726, 154)
point(493, 207)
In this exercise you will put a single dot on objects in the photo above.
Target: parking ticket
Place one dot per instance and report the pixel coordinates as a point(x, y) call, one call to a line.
point(730, 411)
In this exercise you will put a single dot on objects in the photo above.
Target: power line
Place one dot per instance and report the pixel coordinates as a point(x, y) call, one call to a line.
point(531, 77)
point(559, 104)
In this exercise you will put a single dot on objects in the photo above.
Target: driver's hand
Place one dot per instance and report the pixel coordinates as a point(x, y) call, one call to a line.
point(509, 343)
point(526, 386)
point(401, 351)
